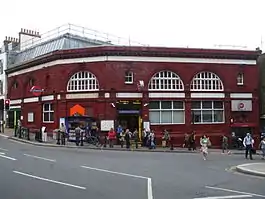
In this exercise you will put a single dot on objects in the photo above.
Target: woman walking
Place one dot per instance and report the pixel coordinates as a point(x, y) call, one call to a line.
point(262, 147)
point(204, 146)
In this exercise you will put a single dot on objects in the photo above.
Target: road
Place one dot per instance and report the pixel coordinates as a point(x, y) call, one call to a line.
point(32, 172)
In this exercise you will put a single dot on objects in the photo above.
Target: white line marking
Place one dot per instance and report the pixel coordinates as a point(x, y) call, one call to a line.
point(3, 149)
point(1, 153)
point(114, 172)
point(33, 156)
point(149, 180)
point(227, 197)
point(234, 191)
point(149, 189)
point(3, 156)
point(48, 180)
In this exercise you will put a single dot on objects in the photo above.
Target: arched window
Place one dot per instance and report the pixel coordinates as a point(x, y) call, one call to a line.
point(83, 81)
point(206, 81)
point(166, 80)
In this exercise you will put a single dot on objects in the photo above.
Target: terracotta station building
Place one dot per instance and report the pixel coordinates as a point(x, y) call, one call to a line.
point(208, 91)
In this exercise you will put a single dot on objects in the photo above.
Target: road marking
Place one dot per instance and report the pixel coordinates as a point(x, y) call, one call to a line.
point(48, 180)
point(227, 197)
point(33, 156)
point(234, 191)
point(3, 149)
point(149, 180)
point(9, 158)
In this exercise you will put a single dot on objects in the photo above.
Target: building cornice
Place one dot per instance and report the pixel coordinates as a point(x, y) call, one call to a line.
point(137, 52)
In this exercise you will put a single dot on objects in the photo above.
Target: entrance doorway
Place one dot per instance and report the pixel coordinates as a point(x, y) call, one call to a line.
point(129, 115)
point(128, 121)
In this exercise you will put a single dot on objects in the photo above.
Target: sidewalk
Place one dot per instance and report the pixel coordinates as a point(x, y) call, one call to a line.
point(257, 169)
point(9, 133)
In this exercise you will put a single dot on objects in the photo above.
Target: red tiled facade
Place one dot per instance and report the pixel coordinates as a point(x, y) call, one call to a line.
point(109, 66)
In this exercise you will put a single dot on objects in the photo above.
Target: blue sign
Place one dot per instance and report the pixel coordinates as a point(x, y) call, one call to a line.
point(129, 111)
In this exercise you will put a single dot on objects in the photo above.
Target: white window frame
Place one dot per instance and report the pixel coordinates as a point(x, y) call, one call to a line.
point(240, 79)
point(83, 81)
point(30, 117)
point(212, 109)
point(49, 111)
point(172, 110)
point(165, 81)
point(128, 77)
point(206, 81)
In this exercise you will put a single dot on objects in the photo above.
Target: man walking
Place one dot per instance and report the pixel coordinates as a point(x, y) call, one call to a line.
point(248, 143)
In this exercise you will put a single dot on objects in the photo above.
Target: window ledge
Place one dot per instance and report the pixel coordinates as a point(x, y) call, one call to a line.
point(47, 122)
point(128, 82)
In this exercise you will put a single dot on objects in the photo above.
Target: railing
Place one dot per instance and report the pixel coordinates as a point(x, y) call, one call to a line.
point(90, 34)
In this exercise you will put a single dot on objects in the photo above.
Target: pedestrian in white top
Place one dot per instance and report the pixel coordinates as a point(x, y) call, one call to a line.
point(262, 147)
point(248, 143)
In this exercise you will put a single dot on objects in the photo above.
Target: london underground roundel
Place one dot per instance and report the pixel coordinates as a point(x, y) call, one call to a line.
point(36, 90)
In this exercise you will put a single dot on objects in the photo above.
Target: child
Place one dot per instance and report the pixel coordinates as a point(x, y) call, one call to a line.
point(262, 147)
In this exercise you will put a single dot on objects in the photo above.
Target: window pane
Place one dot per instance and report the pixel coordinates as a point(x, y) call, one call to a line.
point(166, 105)
point(178, 117)
point(46, 107)
point(154, 116)
point(218, 116)
point(166, 117)
point(218, 105)
point(51, 107)
point(154, 105)
point(196, 105)
point(51, 116)
point(207, 116)
point(46, 117)
point(207, 104)
point(196, 117)
point(177, 105)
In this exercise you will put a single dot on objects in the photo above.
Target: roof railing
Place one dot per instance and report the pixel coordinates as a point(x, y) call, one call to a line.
point(79, 31)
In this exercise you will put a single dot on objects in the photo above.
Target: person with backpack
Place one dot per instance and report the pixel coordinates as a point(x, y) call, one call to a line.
point(248, 143)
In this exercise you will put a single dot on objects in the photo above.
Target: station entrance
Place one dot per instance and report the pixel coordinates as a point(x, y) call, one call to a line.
point(129, 115)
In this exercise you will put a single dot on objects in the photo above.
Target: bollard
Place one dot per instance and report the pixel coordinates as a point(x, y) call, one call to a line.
point(15, 133)
point(27, 129)
point(82, 141)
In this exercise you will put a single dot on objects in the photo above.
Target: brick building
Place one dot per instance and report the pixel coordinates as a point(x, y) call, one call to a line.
point(208, 91)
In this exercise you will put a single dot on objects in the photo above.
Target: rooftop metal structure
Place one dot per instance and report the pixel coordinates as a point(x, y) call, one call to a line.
point(64, 37)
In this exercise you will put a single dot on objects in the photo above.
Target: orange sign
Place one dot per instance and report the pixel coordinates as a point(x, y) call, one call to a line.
point(77, 109)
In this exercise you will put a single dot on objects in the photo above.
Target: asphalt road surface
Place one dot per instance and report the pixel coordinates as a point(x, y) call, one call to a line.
point(30, 172)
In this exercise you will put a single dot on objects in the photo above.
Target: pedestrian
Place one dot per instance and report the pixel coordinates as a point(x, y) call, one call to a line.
point(165, 138)
point(77, 135)
point(205, 142)
point(262, 147)
point(248, 143)
point(127, 138)
point(122, 139)
point(144, 138)
point(135, 136)
point(192, 141)
point(111, 137)
point(62, 133)
point(152, 140)
point(186, 141)
point(225, 145)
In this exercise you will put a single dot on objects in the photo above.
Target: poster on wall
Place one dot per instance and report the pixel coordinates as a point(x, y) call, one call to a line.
point(106, 125)
point(147, 125)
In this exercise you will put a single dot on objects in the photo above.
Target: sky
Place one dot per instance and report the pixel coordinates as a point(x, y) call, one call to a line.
point(170, 23)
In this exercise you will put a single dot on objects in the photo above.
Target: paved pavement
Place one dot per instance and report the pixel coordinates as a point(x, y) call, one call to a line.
point(52, 143)
point(30, 172)
point(257, 169)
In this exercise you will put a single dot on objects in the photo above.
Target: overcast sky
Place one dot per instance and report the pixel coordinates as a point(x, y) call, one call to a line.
point(193, 23)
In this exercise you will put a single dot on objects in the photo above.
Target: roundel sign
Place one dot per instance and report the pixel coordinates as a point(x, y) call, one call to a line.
point(36, 90)
point(241, 105)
